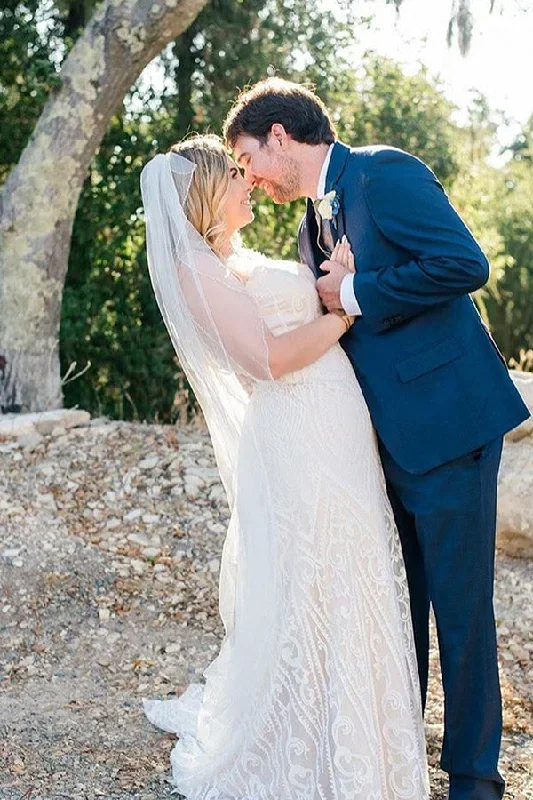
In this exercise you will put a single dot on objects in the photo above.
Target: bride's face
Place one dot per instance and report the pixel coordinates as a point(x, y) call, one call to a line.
point(238, 210)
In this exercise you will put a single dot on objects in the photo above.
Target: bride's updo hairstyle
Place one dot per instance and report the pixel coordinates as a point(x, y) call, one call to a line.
point(209, 187)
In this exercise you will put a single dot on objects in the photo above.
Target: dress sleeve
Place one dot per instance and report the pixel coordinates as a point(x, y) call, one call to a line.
point(227, 318)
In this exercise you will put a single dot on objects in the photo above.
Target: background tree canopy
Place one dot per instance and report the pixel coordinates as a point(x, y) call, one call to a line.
point(116, 357)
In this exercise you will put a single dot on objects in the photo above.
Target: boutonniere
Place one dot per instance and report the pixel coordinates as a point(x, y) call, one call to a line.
point(329, 205)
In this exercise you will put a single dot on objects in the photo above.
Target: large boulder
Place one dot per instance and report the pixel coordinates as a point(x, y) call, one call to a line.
point(515, 486)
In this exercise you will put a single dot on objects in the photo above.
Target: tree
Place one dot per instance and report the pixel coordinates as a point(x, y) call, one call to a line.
point(39, 197)
point(380, 104)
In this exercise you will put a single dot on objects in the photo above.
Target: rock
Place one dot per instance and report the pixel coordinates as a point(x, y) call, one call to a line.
point(47, 501)
point(139, 538)
point(216, 527)
point(149, 463)
point(42, 422)
point(151, 552)
point(151, 519)
point(30, 441)
point(217, 493)
point(137, 566)
point(59, 431)
point(519, 652)
point(515, 498)
point(97, 422)
point(10, 552)
point(524, 383)
point(192, 490)
point(515, 483)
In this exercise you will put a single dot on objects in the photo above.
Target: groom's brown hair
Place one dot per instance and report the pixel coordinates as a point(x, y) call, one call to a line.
point(303, 115)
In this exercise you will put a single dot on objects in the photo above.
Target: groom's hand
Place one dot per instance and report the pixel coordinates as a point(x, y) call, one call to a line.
point(340, 264)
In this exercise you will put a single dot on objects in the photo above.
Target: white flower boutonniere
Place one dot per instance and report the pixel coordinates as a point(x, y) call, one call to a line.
point(328, 207)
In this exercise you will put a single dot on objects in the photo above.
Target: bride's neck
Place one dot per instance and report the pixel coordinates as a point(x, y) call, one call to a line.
point(228, 249)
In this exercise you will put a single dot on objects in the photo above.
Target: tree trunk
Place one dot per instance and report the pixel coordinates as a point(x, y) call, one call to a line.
point(39, 198)
point(185, 71)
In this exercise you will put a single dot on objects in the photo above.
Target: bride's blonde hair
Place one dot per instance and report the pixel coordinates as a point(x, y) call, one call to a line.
point(209, 187)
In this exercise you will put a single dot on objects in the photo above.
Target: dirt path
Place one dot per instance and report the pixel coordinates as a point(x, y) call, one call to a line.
point(109, 557)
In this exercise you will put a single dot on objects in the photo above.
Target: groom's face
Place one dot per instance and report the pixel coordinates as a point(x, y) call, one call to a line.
point(269, 165)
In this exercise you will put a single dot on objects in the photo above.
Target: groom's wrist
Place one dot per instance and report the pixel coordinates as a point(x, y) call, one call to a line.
point(347, 297)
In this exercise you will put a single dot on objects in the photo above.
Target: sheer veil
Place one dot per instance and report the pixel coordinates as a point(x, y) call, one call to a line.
point(214, 324)
point(220, 339)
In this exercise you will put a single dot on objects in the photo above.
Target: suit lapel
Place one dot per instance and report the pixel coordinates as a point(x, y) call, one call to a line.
point(337, 164)
point(308, 235)
point(309, 249)
point(339, 157)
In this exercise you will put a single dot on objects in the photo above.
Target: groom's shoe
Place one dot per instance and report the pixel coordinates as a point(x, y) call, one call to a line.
point(472, 789)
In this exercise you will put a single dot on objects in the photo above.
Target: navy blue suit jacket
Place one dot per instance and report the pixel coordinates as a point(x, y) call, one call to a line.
point(435, 383)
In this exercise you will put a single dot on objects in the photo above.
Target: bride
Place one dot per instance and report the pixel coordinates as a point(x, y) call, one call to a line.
point(314, 694)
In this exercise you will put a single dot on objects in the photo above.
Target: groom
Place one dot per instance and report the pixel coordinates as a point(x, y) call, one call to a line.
point(438, 389)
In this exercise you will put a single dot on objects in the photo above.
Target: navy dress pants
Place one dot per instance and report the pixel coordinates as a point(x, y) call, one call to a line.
point(447, 524)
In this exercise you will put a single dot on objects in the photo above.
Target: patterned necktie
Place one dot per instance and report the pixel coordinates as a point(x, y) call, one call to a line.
point(326, 238)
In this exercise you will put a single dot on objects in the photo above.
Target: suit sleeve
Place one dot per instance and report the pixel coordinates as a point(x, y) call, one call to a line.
point(411, 209)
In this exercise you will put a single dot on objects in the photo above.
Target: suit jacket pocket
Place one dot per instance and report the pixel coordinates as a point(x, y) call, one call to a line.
point(429, 359)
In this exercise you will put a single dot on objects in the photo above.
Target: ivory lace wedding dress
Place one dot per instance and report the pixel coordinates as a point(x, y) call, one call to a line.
point(314, 695)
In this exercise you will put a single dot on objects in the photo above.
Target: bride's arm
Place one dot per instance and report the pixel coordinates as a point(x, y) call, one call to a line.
point(304, 345)
point(231, 326)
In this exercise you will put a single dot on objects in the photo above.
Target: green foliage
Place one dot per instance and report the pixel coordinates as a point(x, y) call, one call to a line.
point(27, 75)
point(110, 319)
point(379, 104)
point(115, 352)
point(496, 203)
point(109, 313)
point(508, 298)
point(111, 327)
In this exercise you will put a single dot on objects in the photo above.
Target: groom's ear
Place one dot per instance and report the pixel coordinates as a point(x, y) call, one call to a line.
point(279, 138)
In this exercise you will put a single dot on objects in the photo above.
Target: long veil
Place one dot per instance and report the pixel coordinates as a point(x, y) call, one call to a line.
point(219, 337)
point(214, 324)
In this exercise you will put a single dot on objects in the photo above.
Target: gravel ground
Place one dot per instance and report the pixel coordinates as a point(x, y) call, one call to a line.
point(109, 559)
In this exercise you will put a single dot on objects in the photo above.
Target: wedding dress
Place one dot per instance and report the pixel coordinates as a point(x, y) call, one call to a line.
point(314, 694)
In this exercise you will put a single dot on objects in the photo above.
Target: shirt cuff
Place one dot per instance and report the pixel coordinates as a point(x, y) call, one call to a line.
point(348, 301)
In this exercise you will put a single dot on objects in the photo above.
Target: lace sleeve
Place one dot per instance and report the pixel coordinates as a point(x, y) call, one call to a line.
point(227, 318)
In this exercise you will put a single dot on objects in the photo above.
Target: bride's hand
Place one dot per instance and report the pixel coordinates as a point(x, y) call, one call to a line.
point(340, 264)
point(342, 254)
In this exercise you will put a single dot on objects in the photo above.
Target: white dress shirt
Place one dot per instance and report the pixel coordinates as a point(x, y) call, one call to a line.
point(348, 300)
